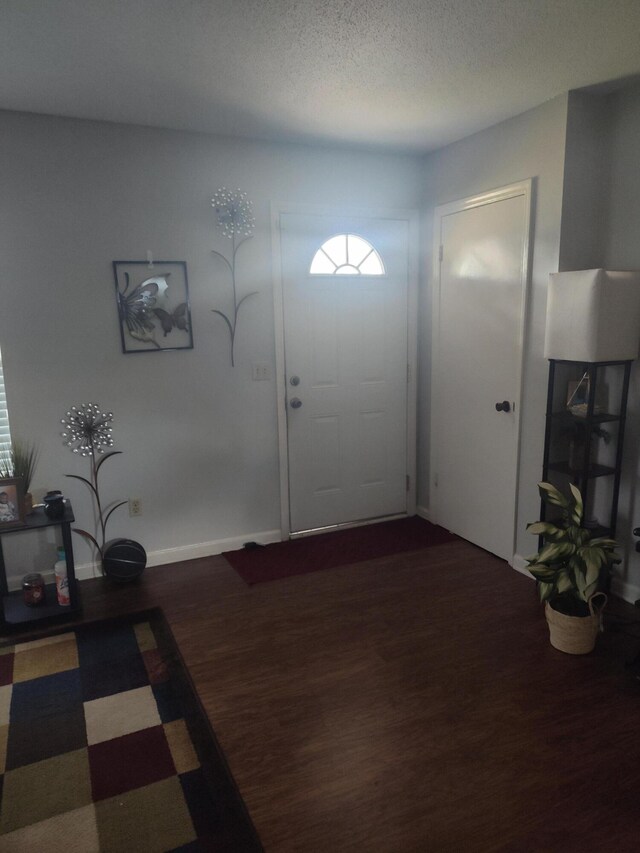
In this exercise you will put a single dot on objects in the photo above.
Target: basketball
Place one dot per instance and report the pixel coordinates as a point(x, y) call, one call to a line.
point(124, 560)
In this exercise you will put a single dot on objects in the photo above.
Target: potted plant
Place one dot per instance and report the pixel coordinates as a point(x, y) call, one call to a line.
point(570, 568)
point(20, 460)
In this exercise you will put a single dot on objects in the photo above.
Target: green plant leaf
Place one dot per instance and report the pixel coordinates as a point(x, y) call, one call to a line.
point(593, 558)
point(551, 495)
point(543, 573)
point(593, 572)
point(564, 583)
point(546, 529)
point(578, 509)
point(581, 584)
point(545, 590)
point(556, 552)
point(604, 542)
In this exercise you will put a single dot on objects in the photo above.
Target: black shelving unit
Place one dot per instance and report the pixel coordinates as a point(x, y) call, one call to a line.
point(584, 435)
point(15, 614)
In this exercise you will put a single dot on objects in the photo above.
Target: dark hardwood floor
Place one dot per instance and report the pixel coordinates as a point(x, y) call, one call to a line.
point(411, 703)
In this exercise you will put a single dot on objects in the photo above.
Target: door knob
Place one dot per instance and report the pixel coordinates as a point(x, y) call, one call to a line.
point(504, 406)
point(295, 403)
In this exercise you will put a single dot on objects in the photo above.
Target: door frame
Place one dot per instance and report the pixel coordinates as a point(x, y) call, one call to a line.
point(412, 217)
point(438, 437)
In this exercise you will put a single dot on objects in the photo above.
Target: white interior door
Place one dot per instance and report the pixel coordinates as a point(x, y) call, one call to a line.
point(345, 350)
point(479, 305)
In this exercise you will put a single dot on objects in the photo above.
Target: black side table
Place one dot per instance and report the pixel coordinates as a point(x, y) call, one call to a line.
point(15, 614)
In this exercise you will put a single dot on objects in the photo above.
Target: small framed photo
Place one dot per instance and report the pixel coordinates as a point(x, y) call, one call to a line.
point(11, 502)
point(578, 393)
point(153, 305)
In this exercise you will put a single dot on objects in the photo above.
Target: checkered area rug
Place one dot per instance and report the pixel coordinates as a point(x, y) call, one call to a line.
point(104, 747)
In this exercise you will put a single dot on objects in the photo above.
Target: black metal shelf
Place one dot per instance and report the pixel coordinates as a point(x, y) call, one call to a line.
point(594, 470)
point(596, 418)
point(607, 384)
point(14, 613)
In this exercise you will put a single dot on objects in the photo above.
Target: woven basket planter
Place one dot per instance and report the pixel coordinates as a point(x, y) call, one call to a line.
point(575, 635)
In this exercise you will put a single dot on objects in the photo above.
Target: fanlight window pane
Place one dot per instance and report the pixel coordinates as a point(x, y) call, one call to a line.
point(322, 264)
point(358, 249)
point(372, 265)
point(336, 248)
point(346, 254)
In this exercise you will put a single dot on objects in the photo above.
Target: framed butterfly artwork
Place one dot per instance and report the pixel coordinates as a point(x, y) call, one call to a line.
point(153, 305)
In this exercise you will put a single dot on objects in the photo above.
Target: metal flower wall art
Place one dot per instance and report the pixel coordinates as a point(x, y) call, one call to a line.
point(153, 306)
point(88, 432)
point(235, 219)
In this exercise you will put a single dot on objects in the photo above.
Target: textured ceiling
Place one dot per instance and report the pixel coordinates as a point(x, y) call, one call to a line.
point(413, 74)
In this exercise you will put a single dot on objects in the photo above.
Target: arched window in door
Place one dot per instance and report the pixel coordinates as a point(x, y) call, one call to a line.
point(346, 254)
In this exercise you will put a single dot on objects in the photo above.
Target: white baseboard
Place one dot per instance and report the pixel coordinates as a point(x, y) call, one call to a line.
point(628, 591)
point(520, 564)
point(85, 571)
point(423, 512)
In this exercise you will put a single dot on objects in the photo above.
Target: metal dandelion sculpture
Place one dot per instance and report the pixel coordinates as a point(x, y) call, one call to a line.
point(88, 432)
point(234, 214)
point(88, 428)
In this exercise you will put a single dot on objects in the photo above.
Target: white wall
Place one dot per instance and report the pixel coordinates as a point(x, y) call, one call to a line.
point(586, 182)
point(622, 252)
point(199, 438)
point(531, 145)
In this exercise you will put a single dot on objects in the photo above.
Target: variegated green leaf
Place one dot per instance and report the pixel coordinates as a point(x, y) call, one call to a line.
point(578, 510)
point(564, 582)
point(543, 573)
point(546, 529)
point(593, 559)
point(555, 552)
point(545, 590)
point(581, 584)
point(582, 536)
point(604, 542)
point(593, 562)
point(589, 590)
point(549, 493)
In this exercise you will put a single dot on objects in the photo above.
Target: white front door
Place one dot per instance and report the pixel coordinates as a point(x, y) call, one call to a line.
point(479, 305)
point(345, 352)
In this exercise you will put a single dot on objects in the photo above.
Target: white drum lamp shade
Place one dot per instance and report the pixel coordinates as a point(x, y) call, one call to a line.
point(593, 315)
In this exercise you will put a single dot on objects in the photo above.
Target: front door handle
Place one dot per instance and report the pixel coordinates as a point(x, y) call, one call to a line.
point(295, 403)
point(504, 406)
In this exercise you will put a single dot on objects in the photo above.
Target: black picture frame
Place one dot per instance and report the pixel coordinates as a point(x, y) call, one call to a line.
point(13, 488)
point(154, 311)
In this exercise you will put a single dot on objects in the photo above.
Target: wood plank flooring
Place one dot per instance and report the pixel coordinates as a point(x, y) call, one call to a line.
point(411, 703)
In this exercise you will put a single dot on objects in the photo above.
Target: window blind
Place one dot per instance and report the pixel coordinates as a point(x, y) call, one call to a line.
point(5, 435)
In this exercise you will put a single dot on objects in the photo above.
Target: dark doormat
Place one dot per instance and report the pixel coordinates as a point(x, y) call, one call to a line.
point(108, 747)
point(337, 548)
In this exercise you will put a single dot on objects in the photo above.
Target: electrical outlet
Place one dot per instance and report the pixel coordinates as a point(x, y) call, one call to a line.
point(260, 372)
point(135, 506)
